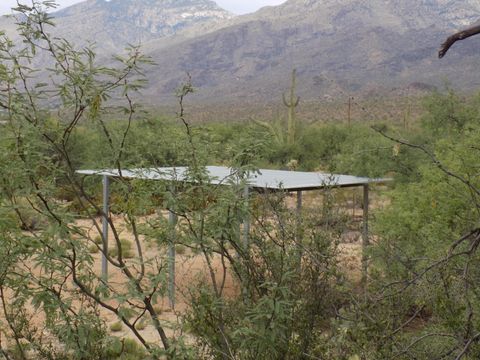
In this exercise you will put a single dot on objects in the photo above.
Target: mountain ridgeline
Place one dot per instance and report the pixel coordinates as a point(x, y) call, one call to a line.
point(112, 24)
point(337, 46)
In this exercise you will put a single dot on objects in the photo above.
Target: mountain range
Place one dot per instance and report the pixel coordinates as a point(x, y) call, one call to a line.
point(337, 46)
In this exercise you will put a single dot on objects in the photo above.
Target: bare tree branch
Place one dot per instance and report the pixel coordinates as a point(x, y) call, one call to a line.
point(467, 346)
point(462, 35)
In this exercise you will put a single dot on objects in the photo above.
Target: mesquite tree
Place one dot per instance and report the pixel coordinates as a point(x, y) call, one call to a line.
point(50, 294)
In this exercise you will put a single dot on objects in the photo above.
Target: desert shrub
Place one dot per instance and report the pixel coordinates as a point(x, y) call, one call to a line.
point(26, 216)
point(158, 308)
point(141, 325)
point(427, 253)
point(93, 249)
point(116, 326)
point(286, 295)
point(180, 250)
point(127, 249)
point(448, 113)
point(123, 349)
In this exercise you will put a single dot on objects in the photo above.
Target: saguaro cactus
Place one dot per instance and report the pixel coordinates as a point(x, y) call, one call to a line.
point(292, 104)
point(285, 132)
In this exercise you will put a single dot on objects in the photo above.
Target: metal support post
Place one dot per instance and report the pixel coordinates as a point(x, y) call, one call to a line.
point(298, 230)
point(365, 239)
point(299, 211)
point(246, 232)
point(106, 211)
point(172, 220)
point(246, 220)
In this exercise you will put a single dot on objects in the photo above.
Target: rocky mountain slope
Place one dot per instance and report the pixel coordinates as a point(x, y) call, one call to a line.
point(338, 47)
point(112, 24)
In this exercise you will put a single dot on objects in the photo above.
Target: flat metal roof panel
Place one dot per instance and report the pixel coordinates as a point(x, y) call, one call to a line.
point(264, 179)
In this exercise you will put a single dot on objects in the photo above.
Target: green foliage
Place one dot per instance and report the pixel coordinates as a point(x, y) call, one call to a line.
point(288, 297)
point(284, 302)
point(47, 271)
point(123, 349)
point(125, 245)
point(426, 256)
point(448, 113)
point(141, 325)
point(116, 326)
point(93, 249)
point(286, 132)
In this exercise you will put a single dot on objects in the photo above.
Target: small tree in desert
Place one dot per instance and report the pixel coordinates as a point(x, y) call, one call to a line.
point(49, 291)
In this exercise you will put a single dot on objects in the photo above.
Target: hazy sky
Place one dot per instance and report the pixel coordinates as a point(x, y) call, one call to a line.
point(235, 6)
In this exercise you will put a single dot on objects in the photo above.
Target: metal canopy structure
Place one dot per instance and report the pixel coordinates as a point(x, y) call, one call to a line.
point(263, 180)
point(276, 180)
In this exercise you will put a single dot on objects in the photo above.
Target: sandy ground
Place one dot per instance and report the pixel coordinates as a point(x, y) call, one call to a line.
point(189, 270)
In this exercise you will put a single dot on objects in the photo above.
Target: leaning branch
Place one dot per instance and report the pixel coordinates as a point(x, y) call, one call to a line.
point(433, 157)
point(462, 35)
